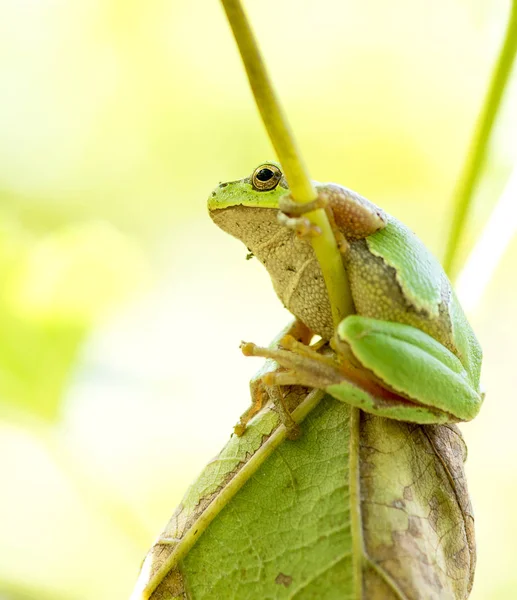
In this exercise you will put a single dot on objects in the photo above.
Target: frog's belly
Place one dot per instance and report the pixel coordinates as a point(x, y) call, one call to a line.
point(306, 298)
point(299, 283)
point(377, 294)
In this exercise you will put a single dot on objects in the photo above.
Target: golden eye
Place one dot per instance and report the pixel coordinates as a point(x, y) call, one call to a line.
point(266, 177)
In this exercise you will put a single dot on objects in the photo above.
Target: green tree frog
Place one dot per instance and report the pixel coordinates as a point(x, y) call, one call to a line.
point(406, 352)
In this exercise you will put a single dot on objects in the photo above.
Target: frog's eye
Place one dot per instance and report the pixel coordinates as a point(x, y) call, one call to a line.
point(266, 177)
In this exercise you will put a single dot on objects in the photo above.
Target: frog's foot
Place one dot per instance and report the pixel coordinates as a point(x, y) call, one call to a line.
point(291, 216)
point(261, 394)
point(303, 365)
point(259, 400)
point(300, 225)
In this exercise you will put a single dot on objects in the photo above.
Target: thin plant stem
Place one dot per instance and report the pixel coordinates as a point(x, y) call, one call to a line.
point(479, 146)
point(282, 138)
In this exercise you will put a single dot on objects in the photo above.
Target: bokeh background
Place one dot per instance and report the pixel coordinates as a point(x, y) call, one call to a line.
point(122, 305)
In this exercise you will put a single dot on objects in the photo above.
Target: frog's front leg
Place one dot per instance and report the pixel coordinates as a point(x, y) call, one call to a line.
point(261, 393)
point(388, 369)
point(350, 215)
point(291, 215)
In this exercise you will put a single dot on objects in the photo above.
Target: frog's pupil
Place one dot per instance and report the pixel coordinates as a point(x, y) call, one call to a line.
point(264, 174)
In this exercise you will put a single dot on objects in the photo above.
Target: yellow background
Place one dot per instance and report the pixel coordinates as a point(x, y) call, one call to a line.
point(122, 305)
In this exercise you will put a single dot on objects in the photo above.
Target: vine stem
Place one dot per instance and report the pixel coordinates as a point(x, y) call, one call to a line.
point(479, 145)
point(283, 141)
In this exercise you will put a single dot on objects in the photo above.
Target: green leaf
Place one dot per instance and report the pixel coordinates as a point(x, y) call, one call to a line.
point(359, 506)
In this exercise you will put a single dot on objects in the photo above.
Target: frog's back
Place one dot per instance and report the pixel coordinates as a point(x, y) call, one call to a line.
point(393, 277)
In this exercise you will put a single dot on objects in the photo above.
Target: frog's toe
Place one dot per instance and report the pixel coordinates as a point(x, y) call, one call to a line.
point(301, 225)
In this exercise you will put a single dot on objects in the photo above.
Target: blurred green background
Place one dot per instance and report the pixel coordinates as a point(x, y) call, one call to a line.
point(122, 306)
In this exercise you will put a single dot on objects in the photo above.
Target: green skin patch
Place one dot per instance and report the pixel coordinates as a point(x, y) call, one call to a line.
point(419, 274)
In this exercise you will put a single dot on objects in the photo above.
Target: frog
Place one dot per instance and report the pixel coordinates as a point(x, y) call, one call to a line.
point(405, 349)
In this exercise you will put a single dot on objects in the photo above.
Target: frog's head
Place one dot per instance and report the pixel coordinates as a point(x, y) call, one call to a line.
point(247, 208)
